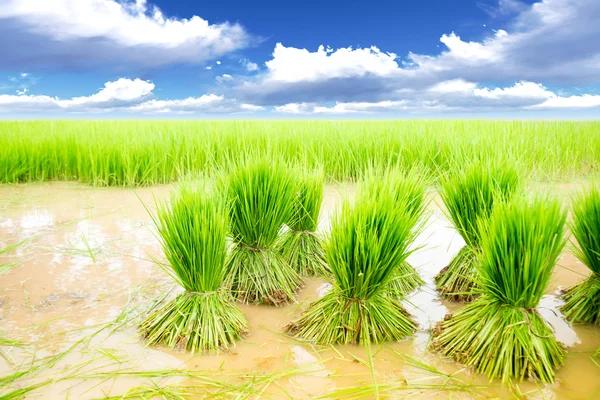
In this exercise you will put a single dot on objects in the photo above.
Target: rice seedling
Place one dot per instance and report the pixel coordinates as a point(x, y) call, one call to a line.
point(192, 230)
point(408, 190)
point(367, 243)
point(301, 245)
point(469, 195)
point(131, 153)
point(582, 301)
point(501, 333)
point(260, 195)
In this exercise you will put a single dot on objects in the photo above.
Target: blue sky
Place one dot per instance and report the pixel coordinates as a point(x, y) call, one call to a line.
point(303, 59)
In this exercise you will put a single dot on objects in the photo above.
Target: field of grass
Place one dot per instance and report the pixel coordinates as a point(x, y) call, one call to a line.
point(131, 153)
point(270, 168)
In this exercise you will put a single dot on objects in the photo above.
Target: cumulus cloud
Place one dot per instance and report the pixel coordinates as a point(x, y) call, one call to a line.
point(83, 33)
point(553, 41)
point(357, 107)
point(454, 96)
point(296, 108)
point(205, 104)
point(123, 95)
point(571, 102)
point(300, 65)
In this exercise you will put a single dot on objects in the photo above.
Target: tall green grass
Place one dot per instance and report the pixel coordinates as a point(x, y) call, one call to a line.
point(192, 230)
point(582, 301)
point(301, 245)
point(470, 194)
point(368, 241)
point(408, 189)
point(260, 194)
point(501, 333)
point(106, 153)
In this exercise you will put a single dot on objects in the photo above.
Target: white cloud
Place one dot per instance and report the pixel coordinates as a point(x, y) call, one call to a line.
point(119, 31)
point(117, 94)
point(123, 95)
point(250, 66)
point(208, 67)
point(454, 96)
point(572, 102)
point(224, 78)
point(208, 103)
point(296, 108)
point(218, 62)
point(341, 108)
point(251, 107)
point(122, 91)
point(503, 8)
point(365, 107)
point(522, 89)
point(453, 86)
point(297, 65)
point(553, 41)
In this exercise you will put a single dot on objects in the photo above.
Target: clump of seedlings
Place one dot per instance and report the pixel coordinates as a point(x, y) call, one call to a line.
point(469, 195)
point(192, 230)
point(367, 243)
point(501, 333)
point(582, 301)
point(260, 194)
point(301, 246)
point(408, 191)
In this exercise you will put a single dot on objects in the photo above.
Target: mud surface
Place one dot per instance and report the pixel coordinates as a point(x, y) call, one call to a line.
point(84, 273)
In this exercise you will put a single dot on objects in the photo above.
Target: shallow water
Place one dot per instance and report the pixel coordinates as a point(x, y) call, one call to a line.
point(89, 257)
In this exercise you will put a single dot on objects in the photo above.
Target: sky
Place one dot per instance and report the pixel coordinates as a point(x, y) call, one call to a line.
point(329, 59)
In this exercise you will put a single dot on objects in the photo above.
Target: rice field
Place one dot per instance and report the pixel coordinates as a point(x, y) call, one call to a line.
point(299, 259)
point(132, 153)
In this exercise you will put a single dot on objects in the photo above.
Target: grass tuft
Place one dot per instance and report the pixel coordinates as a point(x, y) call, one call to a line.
point(469, 195)
point(501, 333)
point(408, 190)
point(192, 230)
point(582, 301)
point(260, 193)
point(367, 243)
point(301, 246)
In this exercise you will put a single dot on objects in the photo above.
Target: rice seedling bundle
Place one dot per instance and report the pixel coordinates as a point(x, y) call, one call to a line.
point(367, 243)
point(501, 333)
point(260, 194)
point(192, 231)
point(408, 190)
point(469, 195)
point(301, 246)
point(582, 301)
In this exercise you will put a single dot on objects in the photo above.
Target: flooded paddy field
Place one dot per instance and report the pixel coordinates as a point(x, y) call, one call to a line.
point(84, 272)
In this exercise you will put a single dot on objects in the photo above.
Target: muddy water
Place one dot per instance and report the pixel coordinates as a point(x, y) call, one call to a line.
point(87, 257)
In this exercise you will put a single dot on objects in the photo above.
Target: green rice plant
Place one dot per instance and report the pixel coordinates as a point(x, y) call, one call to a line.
point(130, 153)
point(408, 189)
point(260, 194)
point(192, 230)
point(501, 333)
point(301, 245)
point(367, 243)
point(582, 301)
point(469, 194)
